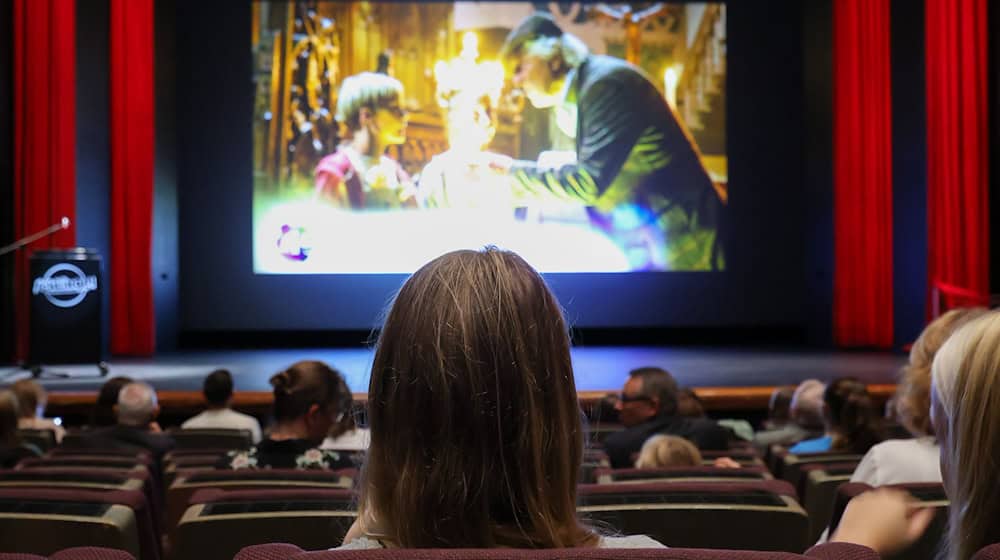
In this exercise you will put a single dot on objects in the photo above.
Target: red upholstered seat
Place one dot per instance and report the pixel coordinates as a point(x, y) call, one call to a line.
point(991, 552)
point(76, 553)
point(835, 551)
point(680, 474)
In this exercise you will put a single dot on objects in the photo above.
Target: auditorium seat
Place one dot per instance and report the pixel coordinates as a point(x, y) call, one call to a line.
point(43, 521)
point(99, 479)
point(991, 552)
point(187, 463)
point(42, 439)
point(680, 474)
point(750, 515)
point(117, 462)
point(75, 553)
point(184, 486)
point(818, 490)
point(928, 494)
point(142, 456)
point(219, 523)
point(746, 458)
point(211, 438)
point(790, 465)
point(291, 552)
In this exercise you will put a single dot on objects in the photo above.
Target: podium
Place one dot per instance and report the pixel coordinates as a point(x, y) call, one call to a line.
point(66, 287)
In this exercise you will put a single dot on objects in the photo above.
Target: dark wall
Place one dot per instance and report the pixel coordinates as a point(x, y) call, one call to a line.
point(93, 148)
point(909, 169)
point(166, 264)
point(762, 285)
point(6, 181)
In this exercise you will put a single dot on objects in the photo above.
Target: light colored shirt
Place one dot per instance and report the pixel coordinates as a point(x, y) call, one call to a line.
point(900, 460)
point(227, 419)
point(632, 541)
point(354, 440)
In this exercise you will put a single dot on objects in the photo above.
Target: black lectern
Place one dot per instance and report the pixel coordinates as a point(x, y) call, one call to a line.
point(66, 289)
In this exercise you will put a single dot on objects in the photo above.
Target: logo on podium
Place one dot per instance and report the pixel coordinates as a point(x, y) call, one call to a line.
point(64, 285)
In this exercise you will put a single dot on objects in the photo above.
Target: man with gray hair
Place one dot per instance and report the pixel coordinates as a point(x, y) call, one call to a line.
point(806, 414)
point(648, 406)
point(136, 414)
point(631, 150)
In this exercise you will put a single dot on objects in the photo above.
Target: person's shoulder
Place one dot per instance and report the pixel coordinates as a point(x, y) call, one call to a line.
point(336, 163)
point(632, 541)
point(601, 69)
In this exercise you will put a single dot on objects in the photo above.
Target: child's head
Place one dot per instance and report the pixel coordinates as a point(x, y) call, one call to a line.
point(667, 451)
point(371, 101)
point(476, 437)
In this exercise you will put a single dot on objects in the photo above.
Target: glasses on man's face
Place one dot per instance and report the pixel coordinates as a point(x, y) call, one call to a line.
point(632, 398)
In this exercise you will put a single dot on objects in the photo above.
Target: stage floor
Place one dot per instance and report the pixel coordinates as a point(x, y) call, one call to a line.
point(597, 368)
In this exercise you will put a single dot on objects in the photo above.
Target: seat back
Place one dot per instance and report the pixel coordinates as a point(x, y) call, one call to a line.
point(212, 438)
point(116, 462)
point(44, 524)
point(218, 524)
point(819, 487)
point(928, 494)
point(292, 552)
point(42, 439)
point(991, 552)
point(680, 474)
point(757, 515)
point(791, 465)
point(75, 553)
point(97, 479)
point(184, 486)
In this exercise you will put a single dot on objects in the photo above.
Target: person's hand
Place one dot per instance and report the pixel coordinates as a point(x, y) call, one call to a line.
point(885, 520)
point(726, 463)
point(497, 162)
point(154, 427)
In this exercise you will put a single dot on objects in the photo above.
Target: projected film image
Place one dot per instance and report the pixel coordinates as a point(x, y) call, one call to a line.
point(588, 137)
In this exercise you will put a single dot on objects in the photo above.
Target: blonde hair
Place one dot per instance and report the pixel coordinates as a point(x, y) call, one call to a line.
point(913, 395)
point(476, 437)
point(966, 379)
point(667, 451)
point(30, 397)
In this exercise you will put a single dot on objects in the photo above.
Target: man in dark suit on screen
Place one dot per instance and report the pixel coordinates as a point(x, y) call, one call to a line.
point(632, 156)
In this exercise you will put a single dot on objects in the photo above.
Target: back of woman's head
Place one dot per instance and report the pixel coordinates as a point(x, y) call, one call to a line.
point(913, 395)
point(31, 397)
point(853, 417)
point(309, 383)
point(667, 451)
point(107, 398)
point(476, 437)
point(966, 380)
point(9, 413)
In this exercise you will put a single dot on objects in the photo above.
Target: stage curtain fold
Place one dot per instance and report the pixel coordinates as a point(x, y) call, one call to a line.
point(957, 145)
point(862, 154)
point(44, 50)
point(132, 151)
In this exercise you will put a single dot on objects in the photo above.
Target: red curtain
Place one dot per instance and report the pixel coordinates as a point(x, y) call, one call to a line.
point(957, 145)
point(132, 149)
point(44, 135)
point(862, 169)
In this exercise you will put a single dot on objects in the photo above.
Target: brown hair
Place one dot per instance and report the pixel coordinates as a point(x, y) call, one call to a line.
point(29, 394)
point(667, 451)
point(966, 378)
point(913, 395)
point(9, 412)
point(853, 416)
point(103, 413)
point(307, 383)
point(657, 382)
point(476, 438)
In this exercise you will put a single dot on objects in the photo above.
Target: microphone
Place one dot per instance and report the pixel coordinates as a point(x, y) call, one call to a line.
point(64, 223)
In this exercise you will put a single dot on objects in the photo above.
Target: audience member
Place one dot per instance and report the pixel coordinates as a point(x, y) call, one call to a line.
point(218, 390)
point(136, 426)
point(667, 451)
point(648, 406)
point(914, 460)
point(12, 449)
point(310, 400)
point(805, 412)
point(104, 411)
point(690, 405)
point(476, 438)
point(853, 423)
point(346, 435)
point(31, 399)
point(965, 414)
point(779, 408)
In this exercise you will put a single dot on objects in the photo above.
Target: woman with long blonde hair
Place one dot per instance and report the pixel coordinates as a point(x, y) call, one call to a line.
point(965, 413)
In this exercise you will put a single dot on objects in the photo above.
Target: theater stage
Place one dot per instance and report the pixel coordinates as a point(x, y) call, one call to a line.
point(597, 368)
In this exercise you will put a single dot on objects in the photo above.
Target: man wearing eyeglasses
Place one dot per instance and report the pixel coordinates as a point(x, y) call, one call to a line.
point(646, 407)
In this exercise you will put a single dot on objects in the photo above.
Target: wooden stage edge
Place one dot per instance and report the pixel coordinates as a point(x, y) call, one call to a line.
point(259, 402)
